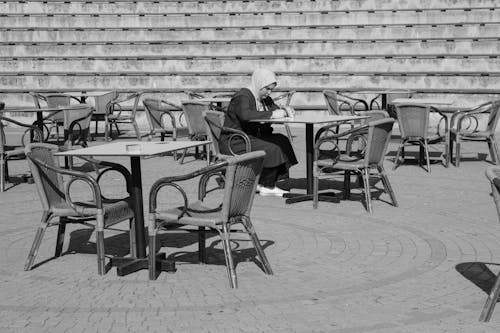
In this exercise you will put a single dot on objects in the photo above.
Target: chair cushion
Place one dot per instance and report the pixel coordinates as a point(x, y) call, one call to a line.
point(197, 215)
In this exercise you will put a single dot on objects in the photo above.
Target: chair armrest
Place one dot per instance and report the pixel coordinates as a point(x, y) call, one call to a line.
point(237, 133)
point(110, 166)
point(77, 175)
point(461, 114)
point(356, 101)
point(172, 181)
point(356, 130)
point(120, 99)
point(37, 135)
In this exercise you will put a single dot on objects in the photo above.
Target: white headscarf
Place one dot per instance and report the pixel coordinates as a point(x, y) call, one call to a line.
point(261, 78)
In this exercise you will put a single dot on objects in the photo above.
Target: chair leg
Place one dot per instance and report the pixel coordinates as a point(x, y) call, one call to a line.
point(492, 145)
point(366, 178)
point(426, 148)
point(101, 264)
point(315, 191)
point(152, 256)
point(3, 173)
point(136, 129)
point(37, 241)
point(60, 236)
point(491, 301)
point(457, 153)
point(450, 149)
point(202, 253)
point(101, 267)
point(396, 160)
point(347, 184)
point(495, 150)
point(226, 244)
point(183, 155)
point(387, 185)
point(258, 248)
point(133, 247)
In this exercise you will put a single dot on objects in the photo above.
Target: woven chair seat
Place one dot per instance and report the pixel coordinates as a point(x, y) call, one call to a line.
point(472, 134)
point(197, 215)
point(344, 162)
point(114, 212)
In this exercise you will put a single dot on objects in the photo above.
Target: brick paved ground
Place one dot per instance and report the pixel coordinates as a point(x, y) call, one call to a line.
point(337, 268)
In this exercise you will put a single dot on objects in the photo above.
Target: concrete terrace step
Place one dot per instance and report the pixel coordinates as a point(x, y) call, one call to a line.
point(102, 7)
point(89, 34)
point(213, 49)
point(471, 81)
point(353, 65)
point(249, 19)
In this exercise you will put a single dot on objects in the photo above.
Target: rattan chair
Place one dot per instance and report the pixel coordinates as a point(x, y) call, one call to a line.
point(327, 161)
point(52, 121)
point(164, 117)
point(102, 107)
point(493, 175)
point(194, 113)
point(59, 208)
point(338, 105)
point(414, 127)
point(284, 100)
point(77, 126)
point(214, 121)
point(465, 128)
point(122, 110)
point(241, 174)
point(10, 149)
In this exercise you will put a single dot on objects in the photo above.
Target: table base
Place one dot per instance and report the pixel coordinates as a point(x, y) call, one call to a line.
point(300, 197)
point(127, 265)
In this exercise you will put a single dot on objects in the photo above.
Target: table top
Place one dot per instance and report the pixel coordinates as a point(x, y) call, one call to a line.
point(210, 100)
point(87, 93)
point(46, 109)
point(133, 148)
point(433, 101)
point(382, 91)
point(309, 119)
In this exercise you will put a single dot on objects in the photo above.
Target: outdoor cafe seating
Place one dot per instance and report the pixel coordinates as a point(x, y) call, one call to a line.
point(414, 120)
point(59, 193)
point(465, 128)
point(329, 159)
point(52, 122)
point(165, 117)
point(241, 174)
point(13, 147)
point(214, 121)
point(119, 112)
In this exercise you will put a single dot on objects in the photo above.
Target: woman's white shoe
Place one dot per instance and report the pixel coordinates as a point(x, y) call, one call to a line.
point(267, 192)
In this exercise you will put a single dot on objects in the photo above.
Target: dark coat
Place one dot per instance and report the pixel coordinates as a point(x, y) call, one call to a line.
point(241, 110)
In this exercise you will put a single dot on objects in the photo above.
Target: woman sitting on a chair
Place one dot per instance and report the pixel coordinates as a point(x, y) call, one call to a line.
point(251, 103)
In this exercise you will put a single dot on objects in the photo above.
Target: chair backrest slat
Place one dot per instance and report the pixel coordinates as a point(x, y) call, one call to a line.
point(493, 117)
point(156, 108)
point(214, 121)
point(102, 102)
point(379, 135)
point(241, 177)
point(413, 120)
point(194, 113)
point(49, 184)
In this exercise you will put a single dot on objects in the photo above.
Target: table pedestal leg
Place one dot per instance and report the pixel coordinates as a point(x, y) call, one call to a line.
point(138, 259)
point(296, 197)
